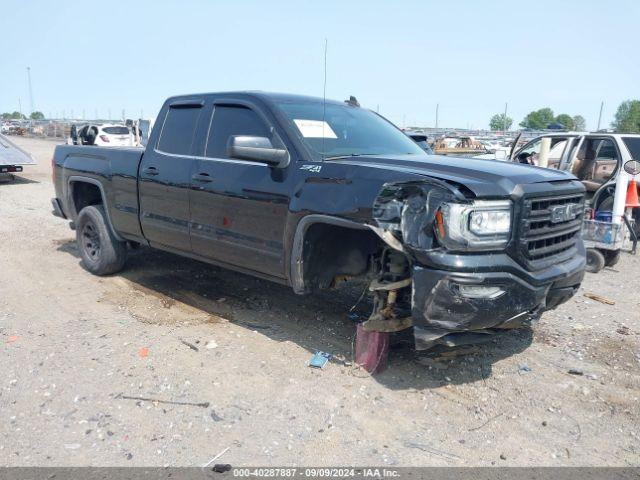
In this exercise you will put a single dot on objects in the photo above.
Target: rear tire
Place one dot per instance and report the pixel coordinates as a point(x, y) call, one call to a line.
point(595, 261)
point(611, 257)
point(101, 252)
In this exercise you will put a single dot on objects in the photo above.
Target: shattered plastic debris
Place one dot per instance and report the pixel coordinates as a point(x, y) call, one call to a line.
point(215, 417)
point(524, 368)
point(143, 352)
point(319, 359)
point(12, 338)
point(211, 344)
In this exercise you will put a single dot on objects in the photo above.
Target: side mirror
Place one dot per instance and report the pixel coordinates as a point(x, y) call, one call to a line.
point(632, 167)
point(257, 149)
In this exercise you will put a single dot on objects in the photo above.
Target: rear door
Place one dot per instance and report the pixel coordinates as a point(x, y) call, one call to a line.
point(238, 207)
point(165, 175)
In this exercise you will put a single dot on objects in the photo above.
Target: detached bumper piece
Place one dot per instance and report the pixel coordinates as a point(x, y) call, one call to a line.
point(455, 309)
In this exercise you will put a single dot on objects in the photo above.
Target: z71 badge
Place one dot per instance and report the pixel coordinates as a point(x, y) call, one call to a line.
point(311, 168)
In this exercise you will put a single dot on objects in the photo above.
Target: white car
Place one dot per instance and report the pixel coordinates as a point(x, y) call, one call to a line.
point(107, 135)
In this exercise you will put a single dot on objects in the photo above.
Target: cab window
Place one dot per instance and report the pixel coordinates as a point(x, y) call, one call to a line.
point(179, 129)
point(232, 120)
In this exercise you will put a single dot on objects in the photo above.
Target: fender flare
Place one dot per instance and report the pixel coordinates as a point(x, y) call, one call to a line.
point(296, 262)
point(74, 214)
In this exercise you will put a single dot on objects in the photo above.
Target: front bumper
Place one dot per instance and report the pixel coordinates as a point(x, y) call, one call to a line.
point(440, 309)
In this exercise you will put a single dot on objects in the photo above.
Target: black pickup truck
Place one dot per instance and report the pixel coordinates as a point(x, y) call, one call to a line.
point(311, 193)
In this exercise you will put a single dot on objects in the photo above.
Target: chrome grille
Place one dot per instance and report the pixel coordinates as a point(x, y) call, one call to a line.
point(550, 227)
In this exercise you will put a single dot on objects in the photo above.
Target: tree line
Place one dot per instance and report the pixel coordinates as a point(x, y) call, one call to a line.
point(627, 119)
point(19, 116)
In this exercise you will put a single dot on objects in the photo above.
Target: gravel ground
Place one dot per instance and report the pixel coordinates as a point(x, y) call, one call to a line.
point(221, 359)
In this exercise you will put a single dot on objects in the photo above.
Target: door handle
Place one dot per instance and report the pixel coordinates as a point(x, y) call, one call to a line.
point(202, 177)
point(150, 171)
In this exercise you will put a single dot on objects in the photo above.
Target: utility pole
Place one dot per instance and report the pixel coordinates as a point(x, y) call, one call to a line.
point(30, 89)
point(504, 119)
point(20, 107)
point(109, 114)
point(437, 108)
point(600, 115)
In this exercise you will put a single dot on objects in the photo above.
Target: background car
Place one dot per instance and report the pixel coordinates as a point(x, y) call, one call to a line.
point(107, 135)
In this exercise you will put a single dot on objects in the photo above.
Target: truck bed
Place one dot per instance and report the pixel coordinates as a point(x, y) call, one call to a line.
point(11, 154)
point(113, 169)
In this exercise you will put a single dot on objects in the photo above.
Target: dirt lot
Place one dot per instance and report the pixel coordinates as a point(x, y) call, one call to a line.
point(72, 350)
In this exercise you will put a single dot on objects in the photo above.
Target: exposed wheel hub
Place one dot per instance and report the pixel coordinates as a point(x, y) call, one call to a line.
point(91, 241)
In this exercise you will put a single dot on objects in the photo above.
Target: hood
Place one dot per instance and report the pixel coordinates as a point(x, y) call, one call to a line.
point(485, 178)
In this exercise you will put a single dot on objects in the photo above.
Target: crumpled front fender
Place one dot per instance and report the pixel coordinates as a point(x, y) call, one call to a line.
point(407, 211)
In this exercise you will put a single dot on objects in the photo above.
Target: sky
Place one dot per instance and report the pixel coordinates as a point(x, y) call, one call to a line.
point(400, 57)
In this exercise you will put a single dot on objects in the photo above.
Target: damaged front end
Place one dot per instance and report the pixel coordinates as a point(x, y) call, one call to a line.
point(451, 267)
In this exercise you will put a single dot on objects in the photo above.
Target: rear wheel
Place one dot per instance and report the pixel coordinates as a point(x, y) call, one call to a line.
point(595, 261)
point(101, 252)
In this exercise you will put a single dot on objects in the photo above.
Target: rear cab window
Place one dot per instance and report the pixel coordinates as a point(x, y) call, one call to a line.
point(179, 129)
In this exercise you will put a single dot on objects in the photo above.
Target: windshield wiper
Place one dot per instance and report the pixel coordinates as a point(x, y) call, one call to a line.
point(350, 155)
point(338, 157)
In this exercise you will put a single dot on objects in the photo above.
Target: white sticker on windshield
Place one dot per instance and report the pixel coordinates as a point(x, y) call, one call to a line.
point(314, 128)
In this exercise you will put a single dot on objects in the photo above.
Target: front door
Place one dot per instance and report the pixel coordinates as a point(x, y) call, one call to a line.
point(238, 207)
point(596, 163)
point(165, 176)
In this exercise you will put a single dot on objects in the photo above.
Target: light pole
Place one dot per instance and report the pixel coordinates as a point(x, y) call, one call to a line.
point(600, 115)
point(504, 119)
point(30, 89)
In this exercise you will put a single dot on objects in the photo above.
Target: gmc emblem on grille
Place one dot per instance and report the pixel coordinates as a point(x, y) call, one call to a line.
point(565, 213)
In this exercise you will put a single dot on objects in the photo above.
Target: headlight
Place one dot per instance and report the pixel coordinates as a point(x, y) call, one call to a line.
point(481, 225)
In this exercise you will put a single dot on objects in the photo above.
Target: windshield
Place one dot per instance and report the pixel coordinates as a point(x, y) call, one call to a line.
point(347, 131)
point(116, 130)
